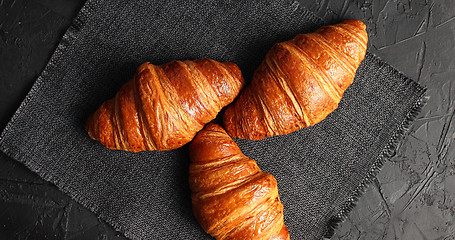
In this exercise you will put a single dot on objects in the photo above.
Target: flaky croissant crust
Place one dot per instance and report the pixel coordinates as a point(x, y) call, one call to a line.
point(299, 82)
point(164, 106)
point(232, 198)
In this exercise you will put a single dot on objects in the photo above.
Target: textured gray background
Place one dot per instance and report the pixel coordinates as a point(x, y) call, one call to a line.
point(413, 196)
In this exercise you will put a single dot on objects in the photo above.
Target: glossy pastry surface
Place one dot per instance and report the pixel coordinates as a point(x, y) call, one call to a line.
point(232, 198)
point(163, 107)
point(299, 82)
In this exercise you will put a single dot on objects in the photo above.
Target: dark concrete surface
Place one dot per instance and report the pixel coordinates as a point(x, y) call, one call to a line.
point(413, 196)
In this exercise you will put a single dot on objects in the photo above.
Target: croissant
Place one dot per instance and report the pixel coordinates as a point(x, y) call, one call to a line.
point(299, 82)
point(163, 107)
point(232, 198)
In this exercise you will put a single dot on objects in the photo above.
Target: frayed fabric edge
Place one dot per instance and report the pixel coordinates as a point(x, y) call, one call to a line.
point(386, 154)
point(78, 23)
point(67, 39)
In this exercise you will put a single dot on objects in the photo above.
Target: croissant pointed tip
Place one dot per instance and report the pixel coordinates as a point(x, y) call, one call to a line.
point(355, 22)
point(99, 125)
point(88, 126)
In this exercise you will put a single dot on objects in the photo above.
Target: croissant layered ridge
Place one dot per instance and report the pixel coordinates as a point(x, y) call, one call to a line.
point(231, 197)
point(299, 82)
point(163, 106)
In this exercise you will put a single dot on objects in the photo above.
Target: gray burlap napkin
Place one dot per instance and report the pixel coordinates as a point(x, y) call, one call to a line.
point(320, 170)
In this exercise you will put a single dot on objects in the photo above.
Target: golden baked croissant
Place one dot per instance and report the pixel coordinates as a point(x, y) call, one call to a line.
point(164, 106)
point(299, 82)
point(232, 198)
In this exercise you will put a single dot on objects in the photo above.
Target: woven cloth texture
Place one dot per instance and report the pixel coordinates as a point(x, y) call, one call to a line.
point(321, 170)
